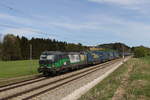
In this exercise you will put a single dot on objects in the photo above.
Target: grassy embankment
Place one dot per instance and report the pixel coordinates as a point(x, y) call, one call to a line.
point(10, 69)
point(129, 82)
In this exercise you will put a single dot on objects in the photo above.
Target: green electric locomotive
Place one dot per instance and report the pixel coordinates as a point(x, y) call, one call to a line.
point(53, 62)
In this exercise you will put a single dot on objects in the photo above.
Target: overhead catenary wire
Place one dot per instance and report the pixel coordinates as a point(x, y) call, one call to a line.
point(30, 30)
point(16, 27)
point(39, 32)
point(10, 8)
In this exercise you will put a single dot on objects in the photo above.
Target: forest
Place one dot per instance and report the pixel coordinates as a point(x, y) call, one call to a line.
point(19, 48)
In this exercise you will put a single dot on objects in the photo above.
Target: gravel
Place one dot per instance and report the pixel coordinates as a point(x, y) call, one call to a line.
point(61, 91)
point(67, 89)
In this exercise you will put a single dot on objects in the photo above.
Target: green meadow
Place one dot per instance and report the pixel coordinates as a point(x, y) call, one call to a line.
point(131, 81)
point(10, 69)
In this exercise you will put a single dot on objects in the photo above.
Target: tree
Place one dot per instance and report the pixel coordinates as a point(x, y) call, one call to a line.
point(115, 46)
point(24, 46)
point(11, 48)
point(141, 51)
point(16, 48)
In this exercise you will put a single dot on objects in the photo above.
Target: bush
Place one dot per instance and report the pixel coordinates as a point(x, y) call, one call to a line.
point(141, 51)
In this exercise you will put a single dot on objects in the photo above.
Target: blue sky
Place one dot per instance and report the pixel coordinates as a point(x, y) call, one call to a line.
point(89, 22)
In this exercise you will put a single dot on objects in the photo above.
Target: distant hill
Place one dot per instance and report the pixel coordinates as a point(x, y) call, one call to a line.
point(115, 46)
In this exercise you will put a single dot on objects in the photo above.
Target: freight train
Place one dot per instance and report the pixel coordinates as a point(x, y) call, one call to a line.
point(54, 62)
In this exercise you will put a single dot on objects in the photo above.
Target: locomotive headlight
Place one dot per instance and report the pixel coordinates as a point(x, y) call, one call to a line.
point(65, 63)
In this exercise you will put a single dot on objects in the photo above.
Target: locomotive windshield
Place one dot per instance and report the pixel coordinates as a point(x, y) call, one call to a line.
point(47, 57)
point(50, 57)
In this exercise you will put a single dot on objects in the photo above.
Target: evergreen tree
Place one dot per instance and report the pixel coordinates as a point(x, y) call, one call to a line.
point(16, 48)
point(24, 45)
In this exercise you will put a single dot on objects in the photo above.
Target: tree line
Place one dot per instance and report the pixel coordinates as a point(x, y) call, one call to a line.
point(141, 51)
point(18, 48)
point(120, 47)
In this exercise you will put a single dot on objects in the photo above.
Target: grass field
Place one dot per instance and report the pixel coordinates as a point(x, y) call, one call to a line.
point(9, 69)
point(129, 82)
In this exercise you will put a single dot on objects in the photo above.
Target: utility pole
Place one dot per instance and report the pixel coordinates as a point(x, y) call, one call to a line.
point(31, 58)
point(122, 51)
point(30, 51)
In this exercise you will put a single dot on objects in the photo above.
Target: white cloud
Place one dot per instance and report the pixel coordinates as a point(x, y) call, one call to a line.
point(137, 5)
point(76, 26)
point(94, 23)
point(18, 20)
point(125, 28)
point(121, 2)
point(21, 26)
point(18, 31)
point(27, 32)
point(114, 26)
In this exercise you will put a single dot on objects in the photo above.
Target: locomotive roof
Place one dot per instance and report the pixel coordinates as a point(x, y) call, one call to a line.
point(73, 53)
point(53, 52)
point(59, 52)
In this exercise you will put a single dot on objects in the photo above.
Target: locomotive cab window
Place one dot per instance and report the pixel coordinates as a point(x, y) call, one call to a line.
point(50, 57)
point(47, 57)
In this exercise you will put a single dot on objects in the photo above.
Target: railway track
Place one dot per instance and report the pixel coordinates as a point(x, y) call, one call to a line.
point(25, 91)
point(21, 81)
